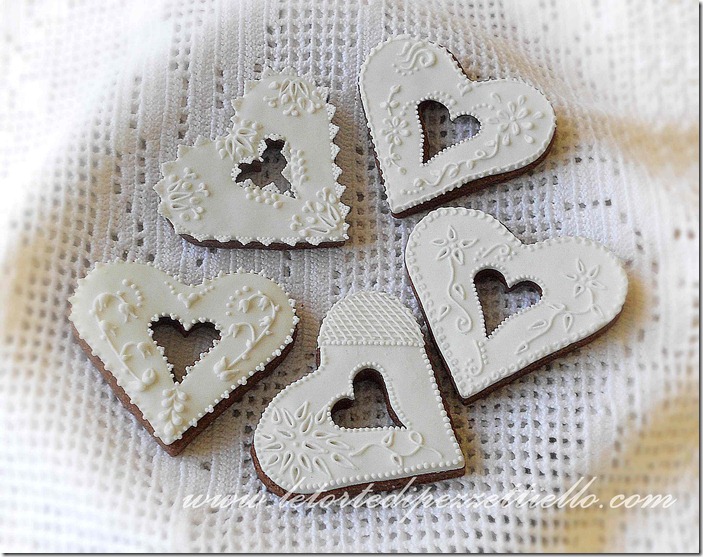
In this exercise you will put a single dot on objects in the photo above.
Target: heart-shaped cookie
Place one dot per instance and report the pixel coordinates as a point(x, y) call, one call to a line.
point(299, 449)
point(517, 123)
point(583, 289)
point(205, 203)
point(113, 308)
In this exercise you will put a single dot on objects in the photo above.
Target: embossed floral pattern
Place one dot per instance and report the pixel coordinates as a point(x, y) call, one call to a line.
point(297, 168)
point(395, 130)
point(319, 217)
point(414, 437)
point(303, 441)
point(584, 279)
point(283, 114)
point(127, 309)
point(514, 119)
point(185, 196)
point(300, 443)
point(241, 142)
point(228, 368)
point(584, 283)
point(295, 96)
point(453, 246)
point(145, 350)
point(452, 249)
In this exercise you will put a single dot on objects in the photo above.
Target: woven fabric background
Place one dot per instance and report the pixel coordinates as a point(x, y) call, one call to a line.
point(94, 96)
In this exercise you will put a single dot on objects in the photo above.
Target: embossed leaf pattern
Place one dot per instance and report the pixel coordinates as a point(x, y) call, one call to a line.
point(185, 196)
point(522, 347)
point(443, 311)
point(391, 104)
point(241, 142)
point(227, 368)
point(128, 311)
point(173, 403)
point(319, 217)
point(568, 321)
point(145, 349)
point(302, 442)
point(295, 96)
point(387, 440)
point(234, 329)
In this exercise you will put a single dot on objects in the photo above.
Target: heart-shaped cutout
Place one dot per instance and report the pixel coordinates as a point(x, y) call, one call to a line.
point(517, 123)
point(196, 192)
point(440, 131)
point(498, 301)
point(369, 406)
point(266, 172)
point(113, 308)
point(183, 348)
point(583, 291)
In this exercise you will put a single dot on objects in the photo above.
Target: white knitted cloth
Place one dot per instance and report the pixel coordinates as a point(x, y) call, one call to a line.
point(94, 96)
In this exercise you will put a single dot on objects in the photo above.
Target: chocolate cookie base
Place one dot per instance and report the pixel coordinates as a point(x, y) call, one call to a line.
point(235, 244)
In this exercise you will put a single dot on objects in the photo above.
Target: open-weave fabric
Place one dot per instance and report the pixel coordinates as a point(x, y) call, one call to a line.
point(94, 96)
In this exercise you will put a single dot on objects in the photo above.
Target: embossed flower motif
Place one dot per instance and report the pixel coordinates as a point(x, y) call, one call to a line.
point(453, 246)
point(295, 96)
point(319, 217)
point(585, 279)
point(241, 143)
point(395, 130)
point(185, 195)
point(300, 443)
point(514, 120)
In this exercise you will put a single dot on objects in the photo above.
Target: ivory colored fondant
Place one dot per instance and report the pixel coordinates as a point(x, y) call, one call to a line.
point(583, 288)
point(202, 199)
point(112, 310)
point(517, 122)
point(301, 450)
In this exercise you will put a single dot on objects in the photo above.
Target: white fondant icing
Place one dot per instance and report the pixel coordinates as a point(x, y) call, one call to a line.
point(302, 450)
point(112, 310)
point(516, 121)
point(199, 195)
point(583, 289)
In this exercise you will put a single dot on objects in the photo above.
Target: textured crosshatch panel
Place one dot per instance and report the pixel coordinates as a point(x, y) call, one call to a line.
point(96, 96)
